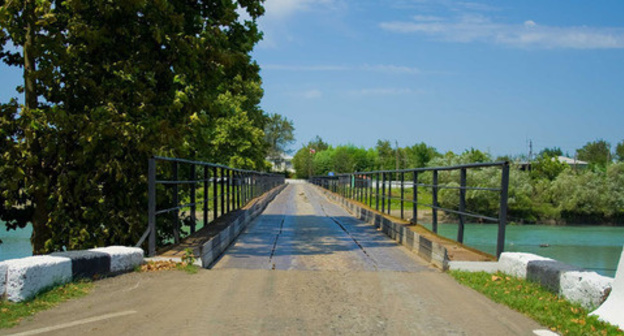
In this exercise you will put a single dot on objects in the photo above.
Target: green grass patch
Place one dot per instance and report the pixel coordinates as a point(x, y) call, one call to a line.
point(536, 302)
point(13, 313)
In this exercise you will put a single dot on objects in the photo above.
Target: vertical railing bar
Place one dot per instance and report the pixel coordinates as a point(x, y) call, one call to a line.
point(151, 222)
point(215, 192)
point(415, 199)
point(502, 221)
point(390, 192)
point(176, 202)
point(402, 193)
point(222, 196)
point(434, 210)
point(462, 205)
point(383, 192)
point(193, 199)
point(205, 205)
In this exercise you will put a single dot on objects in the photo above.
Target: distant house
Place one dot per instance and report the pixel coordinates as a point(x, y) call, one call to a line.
point(573, 163)
point(284, 164)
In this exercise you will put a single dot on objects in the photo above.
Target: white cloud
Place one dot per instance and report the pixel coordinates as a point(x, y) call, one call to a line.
point(311, 94)
point(384, 92)
point(382, 68)
point(280, 9)
point(477, 28)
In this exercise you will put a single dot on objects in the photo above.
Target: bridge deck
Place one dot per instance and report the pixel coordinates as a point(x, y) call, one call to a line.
point(302, 230)
point(333, 275)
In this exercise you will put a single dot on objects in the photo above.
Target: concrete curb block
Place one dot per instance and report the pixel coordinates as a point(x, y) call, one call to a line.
point(122, 259)
point(432, 252)
point(612, 310)
point(22, 279)
point(213, 248)
point(589, 289)
point(28, 276)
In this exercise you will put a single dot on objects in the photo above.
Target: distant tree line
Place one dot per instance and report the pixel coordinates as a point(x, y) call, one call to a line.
point(547, 191)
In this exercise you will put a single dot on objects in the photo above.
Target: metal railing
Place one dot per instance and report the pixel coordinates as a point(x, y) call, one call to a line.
point(375, 190)
point(221, 190)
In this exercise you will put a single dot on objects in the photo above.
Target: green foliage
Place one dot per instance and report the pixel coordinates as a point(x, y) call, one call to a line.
point(188, 257)
point(118, 82)
point(419, 155)
point(596, 152)
point(547, 167)
point(619, 151)
point(278, 134)
point(551, 152)
point(12, 313)
point(303, 160)
point(536, 302)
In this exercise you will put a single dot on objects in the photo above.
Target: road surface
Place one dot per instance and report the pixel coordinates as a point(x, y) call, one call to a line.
point(304, 267)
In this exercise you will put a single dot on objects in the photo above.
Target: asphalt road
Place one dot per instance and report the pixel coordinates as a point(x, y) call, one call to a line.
point(303, 267)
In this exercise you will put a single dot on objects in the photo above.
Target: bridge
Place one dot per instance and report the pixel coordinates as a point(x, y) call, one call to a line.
point(305, 265)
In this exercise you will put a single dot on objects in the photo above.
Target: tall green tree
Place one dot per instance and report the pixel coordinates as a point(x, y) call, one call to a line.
point(619, 151)
point(551, 152)
point(419, 155)
point(303, 161)
point(108, 84)
point(279, 134)
point(595, 152)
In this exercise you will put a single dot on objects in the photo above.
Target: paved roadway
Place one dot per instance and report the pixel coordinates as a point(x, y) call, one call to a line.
point(303, 267)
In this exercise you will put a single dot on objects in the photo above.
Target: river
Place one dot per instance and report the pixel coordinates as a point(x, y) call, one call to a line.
point(596, 248)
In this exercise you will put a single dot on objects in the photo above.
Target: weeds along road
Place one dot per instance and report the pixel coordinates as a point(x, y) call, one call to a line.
point(303, 267)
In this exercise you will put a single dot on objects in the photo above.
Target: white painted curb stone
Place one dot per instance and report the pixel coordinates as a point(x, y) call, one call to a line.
point(612, 311)
point(122, 258)
point(28, 276)
point(515, 263)
point(3, 276)
point(589, 289)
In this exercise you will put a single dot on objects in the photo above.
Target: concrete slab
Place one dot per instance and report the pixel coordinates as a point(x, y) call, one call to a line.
point(87, 264)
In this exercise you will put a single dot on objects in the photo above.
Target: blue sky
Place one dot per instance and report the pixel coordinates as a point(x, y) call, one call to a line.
point(454, 74)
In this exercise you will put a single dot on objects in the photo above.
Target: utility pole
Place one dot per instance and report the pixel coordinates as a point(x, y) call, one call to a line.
point(530, 150)
point(397, 154)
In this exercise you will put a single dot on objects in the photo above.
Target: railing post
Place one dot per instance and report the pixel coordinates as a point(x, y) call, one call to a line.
point(215, 192)
point(402, 192)
point(415, 199)
point(205, 205)
point(151, 221)
point(434, 210)
point(390, 193)
point(502, 219)
point(175, 214)
point(377, 193)
point(222, 196)
point(193, 199)
point(228, 199)
point(462, 205)
point(383, 192)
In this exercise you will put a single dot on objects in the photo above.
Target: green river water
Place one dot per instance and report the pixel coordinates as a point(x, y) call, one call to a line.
point(596, 248)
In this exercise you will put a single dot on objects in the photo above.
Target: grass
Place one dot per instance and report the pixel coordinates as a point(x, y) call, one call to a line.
point(13, 313)
point(536, 302)
point(167, 265)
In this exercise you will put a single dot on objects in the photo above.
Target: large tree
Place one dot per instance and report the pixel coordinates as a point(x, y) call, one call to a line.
point(108, 84)
point(278, 134)
point(595, 152)
point(619, 151)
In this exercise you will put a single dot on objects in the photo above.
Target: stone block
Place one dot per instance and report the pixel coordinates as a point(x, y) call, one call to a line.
point(548, 273)
point(3, 276)
point(123, 259)
point(515, 263)
point(87, 264)
point(28, 276)
point(589, 289)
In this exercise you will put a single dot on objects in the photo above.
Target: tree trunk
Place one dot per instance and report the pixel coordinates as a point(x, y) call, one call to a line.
point(41, 232)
